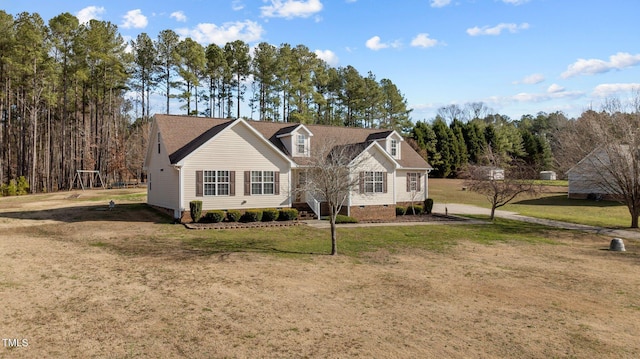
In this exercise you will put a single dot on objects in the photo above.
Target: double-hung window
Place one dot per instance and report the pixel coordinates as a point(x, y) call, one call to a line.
point(301, 144)
point(263, 182)
point(394, 148)
point(373, 182)
point(216, 183)
point(413, 183)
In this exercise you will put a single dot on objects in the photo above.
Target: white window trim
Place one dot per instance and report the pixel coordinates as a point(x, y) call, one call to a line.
point(216, 183)
point(262, 182)
point(413, 181)
point(301, 141)
point(373, 179)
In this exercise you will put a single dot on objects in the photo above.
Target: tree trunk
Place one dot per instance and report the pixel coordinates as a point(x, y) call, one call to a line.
point(334, 237)
point(635, 213)
point(493, 212)
point(333, 213)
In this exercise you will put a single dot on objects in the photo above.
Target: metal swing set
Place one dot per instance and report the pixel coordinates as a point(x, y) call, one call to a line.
point(93, 178)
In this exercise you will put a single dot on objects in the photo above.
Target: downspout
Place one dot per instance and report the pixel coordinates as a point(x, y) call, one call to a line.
point(395, 198)
point(426, 185)
point(291, 189)
point(177, 212)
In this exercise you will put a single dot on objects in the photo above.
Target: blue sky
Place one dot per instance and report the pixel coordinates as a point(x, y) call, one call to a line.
point(517, 56)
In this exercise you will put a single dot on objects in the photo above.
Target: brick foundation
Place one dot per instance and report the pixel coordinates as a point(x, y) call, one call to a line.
point(374, 212)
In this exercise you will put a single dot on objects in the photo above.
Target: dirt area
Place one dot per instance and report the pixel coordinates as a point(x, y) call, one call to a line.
point(65, 294)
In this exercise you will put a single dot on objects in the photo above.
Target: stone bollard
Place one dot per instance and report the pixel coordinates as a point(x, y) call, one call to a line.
point(617, 245)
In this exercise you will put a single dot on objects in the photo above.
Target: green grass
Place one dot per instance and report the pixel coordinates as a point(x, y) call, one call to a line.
point(117, 195)
point(354, 242)
point(552, 204)
point(561, 208)
point(555, 183)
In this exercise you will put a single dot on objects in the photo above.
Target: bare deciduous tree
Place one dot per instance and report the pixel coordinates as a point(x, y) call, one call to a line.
point(608, 143)
point(500, 190)
point(330, 178)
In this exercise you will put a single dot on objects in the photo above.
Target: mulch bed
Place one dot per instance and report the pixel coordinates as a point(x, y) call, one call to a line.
point(240, 225)
point(433, 217)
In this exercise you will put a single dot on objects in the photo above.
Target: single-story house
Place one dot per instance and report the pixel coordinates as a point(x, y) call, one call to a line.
point(242, 164)
point(590, 177)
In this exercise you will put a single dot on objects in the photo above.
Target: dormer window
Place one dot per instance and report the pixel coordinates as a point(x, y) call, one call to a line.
point(301, 143)
point(394, 148)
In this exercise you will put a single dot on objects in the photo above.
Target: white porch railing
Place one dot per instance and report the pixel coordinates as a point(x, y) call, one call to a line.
point(313, 203)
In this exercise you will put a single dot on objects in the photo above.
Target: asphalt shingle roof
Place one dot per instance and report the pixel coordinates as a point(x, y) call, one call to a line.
point(184, 134)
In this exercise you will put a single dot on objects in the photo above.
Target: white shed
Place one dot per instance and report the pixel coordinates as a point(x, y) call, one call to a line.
point(548, 175)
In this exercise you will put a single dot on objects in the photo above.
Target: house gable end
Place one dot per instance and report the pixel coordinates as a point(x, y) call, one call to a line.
point(209, 136)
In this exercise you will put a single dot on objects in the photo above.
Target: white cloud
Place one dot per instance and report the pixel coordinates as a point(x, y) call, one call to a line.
point(375, 44)
point(618, 61)
point(531, 79)
point(90, 13)
point(515, 2)
point(423, 40)
point(606, 90)
point(555, 88)
point(440, 3)
point(497, 30)
point(247, 31)
point(291, 8)
point(328, 56)
point(554, 92)
point(237, 5)
point(179, 16)
point(134, 19)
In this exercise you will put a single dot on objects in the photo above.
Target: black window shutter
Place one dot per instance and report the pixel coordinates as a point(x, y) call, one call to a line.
point(232, 183)
point(199, 181)
point(276, 185)
point(384, 182)
point(247, 183)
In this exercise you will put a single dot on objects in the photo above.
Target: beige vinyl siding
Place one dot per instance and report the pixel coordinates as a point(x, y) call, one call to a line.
point(163, 186)
point(585, 176)
point(401, 187)
point(583, 180)
point(236, 149)
point(374, 161)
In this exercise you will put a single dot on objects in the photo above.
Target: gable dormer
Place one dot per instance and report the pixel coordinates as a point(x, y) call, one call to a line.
point(297, 140)
point(390, 141)
point(392, 145)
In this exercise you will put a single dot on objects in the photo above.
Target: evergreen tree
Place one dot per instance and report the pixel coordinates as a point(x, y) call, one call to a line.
point(215, 68)
point(191, 69)
point(264, 68)
point(461, 155)
point(145, 57)
point(237, 55)
point(168, 61)
point(395, 113)
point(445, 148)
point(426, 140)
point(474, 140)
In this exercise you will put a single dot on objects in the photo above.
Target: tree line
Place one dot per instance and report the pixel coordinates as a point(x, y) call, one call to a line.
point(459, 136)
point(78, 97)
point(279, 83)
point(66, 102)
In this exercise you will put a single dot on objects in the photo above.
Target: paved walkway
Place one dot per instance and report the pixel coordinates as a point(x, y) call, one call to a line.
point(464, 209)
